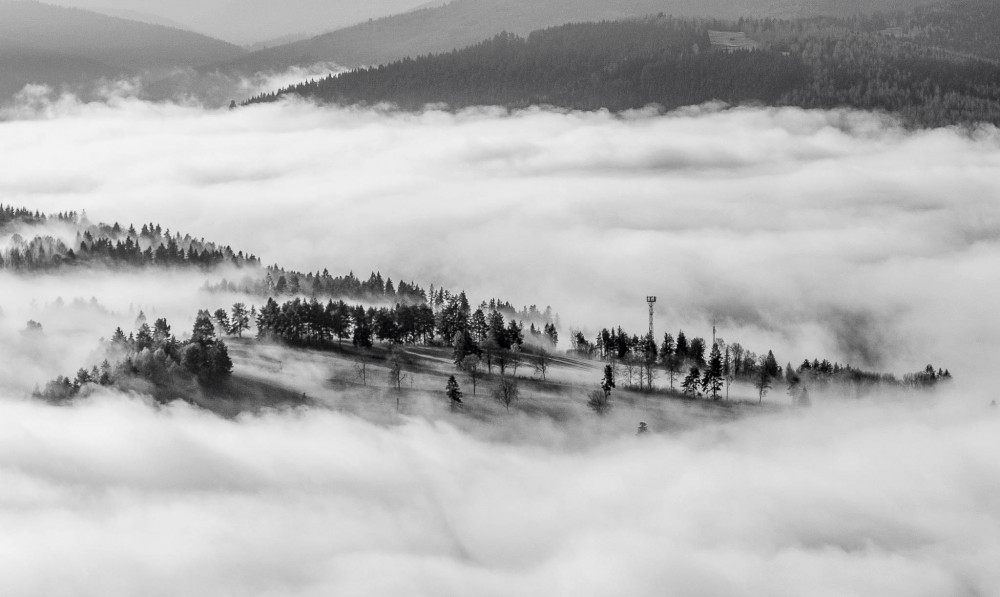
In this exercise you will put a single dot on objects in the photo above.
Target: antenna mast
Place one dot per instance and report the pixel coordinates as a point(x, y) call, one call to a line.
point(651, 300)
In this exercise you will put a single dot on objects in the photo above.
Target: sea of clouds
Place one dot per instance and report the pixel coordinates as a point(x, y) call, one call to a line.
point(817, 234)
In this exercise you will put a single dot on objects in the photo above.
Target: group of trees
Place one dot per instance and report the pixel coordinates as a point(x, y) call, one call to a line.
point(279, 282)
point(933, 66)
point(639, 361)
point(821, 375)
point(10, 214)
point(316, 324)
point(109, 245)
point(636, 360)
point(152, 353)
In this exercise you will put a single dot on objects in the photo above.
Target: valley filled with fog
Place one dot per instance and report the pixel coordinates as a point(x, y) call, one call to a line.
point(836, 234)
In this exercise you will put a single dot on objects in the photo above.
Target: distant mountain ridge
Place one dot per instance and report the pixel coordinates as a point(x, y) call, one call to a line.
point(246, 22)
point(52, 45)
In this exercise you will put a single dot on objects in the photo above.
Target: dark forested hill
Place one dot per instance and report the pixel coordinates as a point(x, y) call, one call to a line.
point(615, 65)
point(40, 43)
point(907, 64)
point(461, 23)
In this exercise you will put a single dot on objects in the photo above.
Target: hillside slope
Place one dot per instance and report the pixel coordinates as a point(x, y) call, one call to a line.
point(621, 65)
point(465, 22)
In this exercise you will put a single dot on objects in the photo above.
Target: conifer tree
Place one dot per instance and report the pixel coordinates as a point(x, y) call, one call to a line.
point(608, 382)
point(453, 392)
point(712, 380)
point(690, 384)
point(682, 346)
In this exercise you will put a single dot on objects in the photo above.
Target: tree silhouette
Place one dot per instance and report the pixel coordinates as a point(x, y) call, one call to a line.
point(453, 392)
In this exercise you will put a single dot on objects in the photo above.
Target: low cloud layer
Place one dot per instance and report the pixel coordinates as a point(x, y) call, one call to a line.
point(816, 233)
point(113, 497)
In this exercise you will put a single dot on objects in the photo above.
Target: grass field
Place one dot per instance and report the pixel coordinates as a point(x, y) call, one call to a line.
point(332, 379)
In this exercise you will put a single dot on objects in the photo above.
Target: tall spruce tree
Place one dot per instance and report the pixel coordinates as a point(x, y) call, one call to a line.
point(712, 380)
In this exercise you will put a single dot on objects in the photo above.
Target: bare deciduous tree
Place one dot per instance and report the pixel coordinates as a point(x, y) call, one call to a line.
point(599, 401)
point(515, 359)
point(361, 362)
point(506, 391)
point(762, 379)
point(396, 375)
point(630, 365)
point(542, 361)
point(472, 366)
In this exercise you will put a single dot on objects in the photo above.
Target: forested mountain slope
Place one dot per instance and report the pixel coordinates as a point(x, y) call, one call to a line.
point(901, 64)
point(464, 22)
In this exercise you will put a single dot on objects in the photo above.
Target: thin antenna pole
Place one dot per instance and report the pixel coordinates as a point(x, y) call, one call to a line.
point(651, 300)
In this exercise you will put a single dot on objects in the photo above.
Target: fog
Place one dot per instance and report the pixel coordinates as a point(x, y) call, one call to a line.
point(78, 309)
point(114, 497)
point(816, 234)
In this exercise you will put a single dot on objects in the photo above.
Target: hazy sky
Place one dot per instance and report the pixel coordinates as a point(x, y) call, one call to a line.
point(250, 21)
point(814, 233)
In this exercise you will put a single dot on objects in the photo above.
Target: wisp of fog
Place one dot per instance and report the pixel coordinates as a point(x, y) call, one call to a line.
point(832, 234)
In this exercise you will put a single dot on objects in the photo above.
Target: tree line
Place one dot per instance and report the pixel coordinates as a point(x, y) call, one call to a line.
point(636, 361)
point(315, 324)
point(614, 65)
point(153, 246)
point(110, 245)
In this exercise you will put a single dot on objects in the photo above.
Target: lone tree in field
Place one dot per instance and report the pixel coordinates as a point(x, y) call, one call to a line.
point(514, 358)
point(472, 365)
point(599, 402)
point(240, 319)
point(506, 391)
point(762, 378)
point(453, 392)
point(396, 375)
point(361, 366)
point(542, 361)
